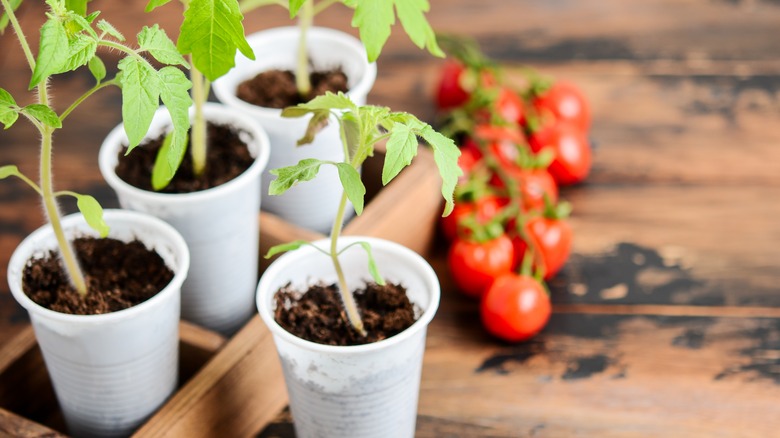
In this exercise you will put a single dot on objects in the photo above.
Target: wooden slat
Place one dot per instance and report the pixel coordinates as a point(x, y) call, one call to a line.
point(12, 425)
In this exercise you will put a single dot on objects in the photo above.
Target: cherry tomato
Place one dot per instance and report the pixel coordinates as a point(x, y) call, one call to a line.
point(474, 265)
point(571, 149)
point(469, 157)
point(552, 239)
point(534, 185)
point(564, 102)
point(510, 106)
point(515, 307)
point(486, 207)
point(449, 93)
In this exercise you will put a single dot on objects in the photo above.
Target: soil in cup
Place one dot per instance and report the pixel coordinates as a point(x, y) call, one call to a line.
point(276, 88)
point(119, 275)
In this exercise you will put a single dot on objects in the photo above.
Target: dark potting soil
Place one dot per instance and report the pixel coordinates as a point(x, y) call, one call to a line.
point(227, 157)
point(118, 275)
point(276, 88)
point(318, 315)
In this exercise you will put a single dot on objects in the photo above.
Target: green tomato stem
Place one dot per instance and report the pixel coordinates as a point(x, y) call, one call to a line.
point(199, 141)
point(46, 187)
point(250, 5)
point(346, 296)
point(321, 6)
point(20, 35)
point(52, 211)
point(84, 97)
point(305, 21)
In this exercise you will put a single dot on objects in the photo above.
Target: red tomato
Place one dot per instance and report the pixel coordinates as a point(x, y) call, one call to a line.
point(485, 208)
point(474, 265)
point(552, 238)
point(572, 152)
point(510, 106)
point(564, 102)
point(515, 308)
point(469, 157)
point(534, 185)
point(449, 93)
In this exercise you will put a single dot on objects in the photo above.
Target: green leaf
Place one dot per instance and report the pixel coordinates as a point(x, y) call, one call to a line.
point(109, 29)
point(295, 6)
point(53, 52)
point(4, 19)
point(289, 176)
point(372, 269)
point(156, 41)
point(284, 247)
point(353, 186)
point(212, 32)
point(43, 114)
point(77, 6)
point(9, 111)
point(401, 149)
point(91, 17)
point(97, 68)
point(93, 213)
point(9, 170)
point(174, 91)
point(374, 18)
point(411, 13)
point(446, 154)
point(327, 102)
point(163, 172)
point(320, 108)
point(154, 4)
point(81, 49)
point(140, 97)
point(351, 128)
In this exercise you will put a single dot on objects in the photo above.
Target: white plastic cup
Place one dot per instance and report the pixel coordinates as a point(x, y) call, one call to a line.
point(362, 391)
point(220, 224)
point(112, 371)
point(313, 204)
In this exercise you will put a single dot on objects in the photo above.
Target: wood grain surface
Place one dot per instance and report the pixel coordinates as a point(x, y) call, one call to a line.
point(666, 318)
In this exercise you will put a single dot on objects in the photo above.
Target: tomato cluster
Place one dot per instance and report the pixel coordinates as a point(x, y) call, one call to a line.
point(508, 231)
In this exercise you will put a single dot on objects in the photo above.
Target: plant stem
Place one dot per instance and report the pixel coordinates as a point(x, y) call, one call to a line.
point(20, 35)
point(47, 189)
point(198, 143)
point(305, 20)
point(346, 295)
point(250, 5)
point(324, 4)
point(52, 211)
point(85, 96)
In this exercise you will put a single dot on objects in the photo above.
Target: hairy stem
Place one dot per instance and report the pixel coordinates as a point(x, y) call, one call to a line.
point(19, 34)
point(346, 295)
point(52, 212)
point(46, 187)
point(305, 20)
point(199, 141)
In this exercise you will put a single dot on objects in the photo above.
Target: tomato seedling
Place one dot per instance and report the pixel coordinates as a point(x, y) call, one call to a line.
point(374, 20)
point(211, 33)
point(69, 39)
point(362, 127)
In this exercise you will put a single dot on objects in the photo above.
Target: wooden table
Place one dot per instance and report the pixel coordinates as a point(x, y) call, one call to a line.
point(667, 317)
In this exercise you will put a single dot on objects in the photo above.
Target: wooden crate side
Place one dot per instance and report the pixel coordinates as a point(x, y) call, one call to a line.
point(12, 425)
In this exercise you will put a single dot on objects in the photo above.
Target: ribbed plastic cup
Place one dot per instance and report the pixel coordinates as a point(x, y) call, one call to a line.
point(311, 204)
point(220, 225)
point(355, 391)
point(112, 371)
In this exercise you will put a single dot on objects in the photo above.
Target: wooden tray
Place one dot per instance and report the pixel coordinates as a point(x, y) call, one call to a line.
point(230, 388)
